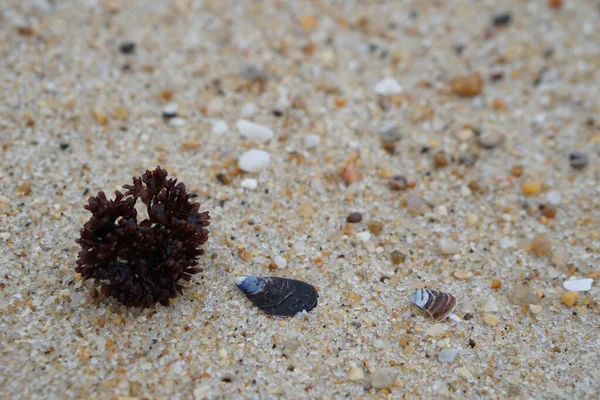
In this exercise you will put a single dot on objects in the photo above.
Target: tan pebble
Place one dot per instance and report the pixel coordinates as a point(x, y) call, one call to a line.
point(462, 274)
point(306, 210)
point(408, 350)
point(496, 283)
point(356, 374)
point(351, 175)
point(398, 257)
point(541, 245)
point(440, 160)
point(468, 85)
point(570, 298)
point(535, 309)
point(531, 188)
point(24, 188)
point(375, 227)
point(491, 320)
point(516, 171)
point(101, 117)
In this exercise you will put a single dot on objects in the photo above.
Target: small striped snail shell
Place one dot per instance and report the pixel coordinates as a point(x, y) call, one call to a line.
point(437, 304)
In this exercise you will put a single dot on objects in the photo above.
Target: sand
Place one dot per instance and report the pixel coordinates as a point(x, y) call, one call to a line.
point(77, 116)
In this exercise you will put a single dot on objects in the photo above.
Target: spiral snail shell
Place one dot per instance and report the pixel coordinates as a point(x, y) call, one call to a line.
point(438, 305)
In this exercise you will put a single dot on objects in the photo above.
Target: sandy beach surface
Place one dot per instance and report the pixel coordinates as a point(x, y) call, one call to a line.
point(466, 134)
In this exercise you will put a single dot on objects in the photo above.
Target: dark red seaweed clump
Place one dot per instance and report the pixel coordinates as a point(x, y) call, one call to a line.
point(142, 263)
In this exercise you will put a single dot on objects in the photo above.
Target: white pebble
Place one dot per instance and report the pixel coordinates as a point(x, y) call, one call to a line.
point(215, 106)
point(249, 109)
point(383, 378)
point(253, 131)
point(254, 160)
point(5, 235)
point(436, 330)
point(447, 355)
point(280, 262)
point(578, 285)
point(560, 256)
point(363, 236)
point(505, 242)
point(448, 246)
point(170, 110)
point(177, 121)
point(219, 127)
point(312, 140)
point(490, 305)
point(356, 374)
point(554, 198)
point(387, 87)
point(489, 140)
point(249, 183)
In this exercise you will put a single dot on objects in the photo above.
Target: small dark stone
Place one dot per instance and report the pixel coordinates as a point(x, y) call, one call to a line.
point(398, 182)
point(578, 160)
point(467, 159)
point(496, 76)
point(502, 19)
point(127, 47)
point(64, 146)
point(354, 218)
point(277, 113)
point(472, 343)
point(468, 316)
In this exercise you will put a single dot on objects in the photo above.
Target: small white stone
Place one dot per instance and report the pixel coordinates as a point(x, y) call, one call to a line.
point(223, 353)
point(254, 160)
point(219, 127)
point(177, 121)
point(554, 197)
point(448, 246)
point(560, 256)
point(505, 242)
point(436, 330)
point(312, 140)
point(215, 106)
point(5, 235)
point(464, 134)
point(578, 285)
point(442, 211)
point(364, 236)
point(249, 109)
point(383, 378)
point(463, 372)
point(490, 305)
point(387, 87)
point(356, 374)
point(447, 355)
point(253, 131)
point(535, 309)
point(489, 140)
point(472, 219)
point(249, 183)
point(170, 110)
point(203, 391)
point(280, 261)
